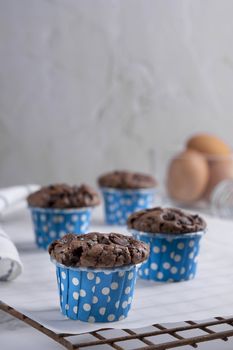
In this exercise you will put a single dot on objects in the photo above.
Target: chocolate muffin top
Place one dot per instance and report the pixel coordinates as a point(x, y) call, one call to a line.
point(126, 180)
point(98, 250)
point(64, 196)
point(165, 220)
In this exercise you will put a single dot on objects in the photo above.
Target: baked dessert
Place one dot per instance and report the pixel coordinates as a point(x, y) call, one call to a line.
point(125, 192)
point(98, 250)
point(60, 208)
point(64, 196)
point(166, 220)
point(126, 180)
point(96, 274)
point(174, 237)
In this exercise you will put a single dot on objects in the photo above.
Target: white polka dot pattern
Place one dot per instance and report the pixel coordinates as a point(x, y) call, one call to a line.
point(182, 271)
point(74, 218)
point(114, 285)
point(83, 299)
point(42, 217)
point(54, 223)
point(75, 281)
point(120, 204)
point(166, 265)
point(87, 307)
point(121, 273)
point(82, 293)
point(191, 243)
point(173, 270)
point(52, 234)
point(156, 249)
point(191, 255)
point(160, 275)
point(102, 310)
point(170, 259)
point(124, 304)
point(111, 318)
point(63, 275)
point(90, 275)
point(83, 217)
point(153, 266)
point(62, 233)
point(180, 246)
point(127, 290)
point(177, 258)
point(75, 295)
point(95, 300)
point(130, 276)
point(105, 291)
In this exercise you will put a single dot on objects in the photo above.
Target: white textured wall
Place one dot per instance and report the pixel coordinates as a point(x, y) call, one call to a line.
point(91, 85)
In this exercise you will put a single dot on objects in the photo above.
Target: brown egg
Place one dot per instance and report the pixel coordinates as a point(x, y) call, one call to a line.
point(219, 170)
point(187, 176)
point(208, 144)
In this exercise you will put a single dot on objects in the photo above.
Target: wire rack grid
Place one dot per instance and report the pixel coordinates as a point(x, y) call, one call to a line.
point(152, 338)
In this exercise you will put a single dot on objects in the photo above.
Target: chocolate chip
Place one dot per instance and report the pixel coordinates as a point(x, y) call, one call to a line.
point(169, 216)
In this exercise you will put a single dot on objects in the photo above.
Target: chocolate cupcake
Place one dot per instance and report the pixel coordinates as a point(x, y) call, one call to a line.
point(125, 192)
point(174, 237)
point(59, 208)
point(96, 274)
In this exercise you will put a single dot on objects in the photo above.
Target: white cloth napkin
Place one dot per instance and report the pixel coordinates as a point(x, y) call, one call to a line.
point(10, 263)
point(12, 195)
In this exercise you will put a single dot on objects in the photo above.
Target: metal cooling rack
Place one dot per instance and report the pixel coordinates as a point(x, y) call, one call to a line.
point(146, 340)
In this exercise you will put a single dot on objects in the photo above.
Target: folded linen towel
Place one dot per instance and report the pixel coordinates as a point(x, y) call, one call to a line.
point(12, 195)
point(10, 263)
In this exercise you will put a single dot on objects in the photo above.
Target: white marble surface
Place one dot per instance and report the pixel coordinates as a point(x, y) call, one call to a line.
point(91, 85)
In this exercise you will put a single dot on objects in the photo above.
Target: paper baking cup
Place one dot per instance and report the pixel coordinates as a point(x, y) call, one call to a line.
point(93, 295)
point(50, 224)
point(119, 204)
point(172, 258)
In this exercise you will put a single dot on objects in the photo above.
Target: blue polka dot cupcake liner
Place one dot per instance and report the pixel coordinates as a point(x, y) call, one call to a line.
point(95, 295)
point(173, 258)
point(120, 204)
point(50, 224)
